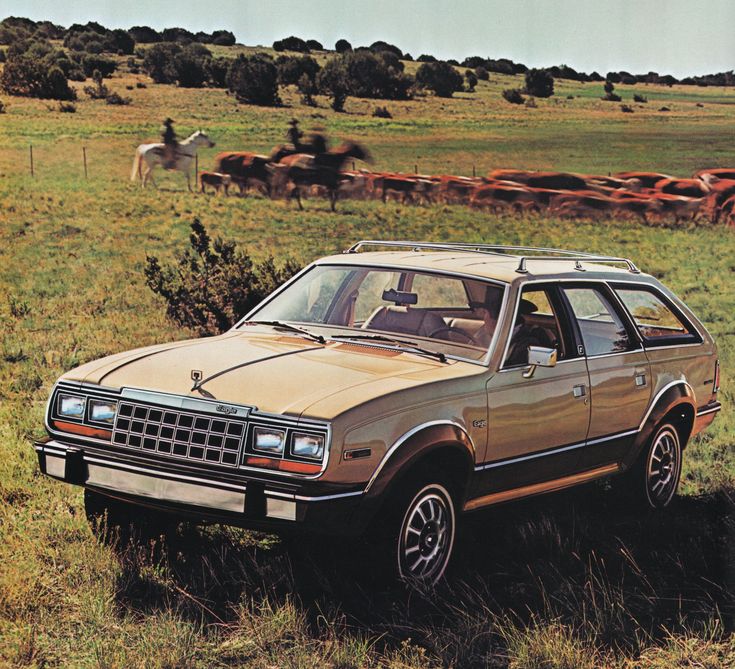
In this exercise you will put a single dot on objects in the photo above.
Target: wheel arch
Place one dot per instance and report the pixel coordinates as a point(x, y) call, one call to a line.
point(676, 403)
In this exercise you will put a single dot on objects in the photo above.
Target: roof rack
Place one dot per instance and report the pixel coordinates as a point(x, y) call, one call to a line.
point(505, 251)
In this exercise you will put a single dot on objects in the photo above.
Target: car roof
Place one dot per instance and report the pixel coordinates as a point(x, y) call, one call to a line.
point(497, 267)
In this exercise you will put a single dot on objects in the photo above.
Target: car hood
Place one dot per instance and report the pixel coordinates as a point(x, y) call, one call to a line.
point(273, 372)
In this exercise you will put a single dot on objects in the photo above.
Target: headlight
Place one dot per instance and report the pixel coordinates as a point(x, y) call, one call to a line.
point(308, 446)
point(71, 406)
point(102, 411)
point(268, 440)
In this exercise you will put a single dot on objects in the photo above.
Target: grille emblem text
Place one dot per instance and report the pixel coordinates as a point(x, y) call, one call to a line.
point(225, 409)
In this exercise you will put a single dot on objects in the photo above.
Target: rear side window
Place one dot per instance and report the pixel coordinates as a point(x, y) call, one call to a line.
point(655, 319)
point(601, 327)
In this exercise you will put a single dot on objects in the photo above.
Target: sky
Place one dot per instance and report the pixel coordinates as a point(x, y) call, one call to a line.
point(679, 37)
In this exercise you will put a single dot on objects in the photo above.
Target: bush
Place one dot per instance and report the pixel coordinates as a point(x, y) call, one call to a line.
point(539, 83)
point(67, 107)
point(626, 108)
point(307, 87)
point(190, 67)
point(223, 38)
point(291, 44)
point(439, 77)
point(291, 68)
point(640, 98)
point(122, 42)
point(144, 34)
point(211, 285)
point(27, 77)
point(179, 35)
point(140, 84)
point(471, 79)
point(342, 46)
point(99, 91)
point(117, 99)
point(382, 112)
point(377, 47)
point(333, 81)
point(217, 69)
point(314, 45)
point(481, 73)
point(426, 58)
point(514, 96)
point(254, 80)
point(610, 95)
point(3, 107)
point(159, 62)
point(91, 63)
point(364, 74)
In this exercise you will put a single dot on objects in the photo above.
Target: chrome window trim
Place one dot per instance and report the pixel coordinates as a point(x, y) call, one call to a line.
point(407, 435)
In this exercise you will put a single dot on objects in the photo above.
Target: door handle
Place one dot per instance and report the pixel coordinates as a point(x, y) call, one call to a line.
point(640, 380)
point(579, 391)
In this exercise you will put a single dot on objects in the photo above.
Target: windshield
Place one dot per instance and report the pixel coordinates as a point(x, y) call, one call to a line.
point(447, 314)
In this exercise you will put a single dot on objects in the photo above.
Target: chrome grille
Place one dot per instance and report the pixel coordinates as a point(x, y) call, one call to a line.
point(180, 434)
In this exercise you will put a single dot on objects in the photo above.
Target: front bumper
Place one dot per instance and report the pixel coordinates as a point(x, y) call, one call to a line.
point(246, 502)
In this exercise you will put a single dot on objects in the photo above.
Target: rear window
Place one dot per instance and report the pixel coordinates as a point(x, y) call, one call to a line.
point(656, 320)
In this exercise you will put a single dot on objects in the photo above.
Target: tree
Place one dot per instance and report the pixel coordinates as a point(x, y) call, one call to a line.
point(254, 80)
point(379, 46)
point(223, 38)
point(514, 96)
point(122, 41)
point(307, 88)
point(144, 34)
point(333, 81)
point(314, 45)
point(159, 62)
point(471, 79)
point(342, 46)
point(28, 77)
point(481, 73)
point(439, 77)
point(426, 58)
point(539, 83)
point(291, 44)
point(190, 66)
point(610, 94)
point(291, 68)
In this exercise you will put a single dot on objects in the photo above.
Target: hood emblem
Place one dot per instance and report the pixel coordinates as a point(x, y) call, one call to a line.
point(222, 408)
point(196, 375)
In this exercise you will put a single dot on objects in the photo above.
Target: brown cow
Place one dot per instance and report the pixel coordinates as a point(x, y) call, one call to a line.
point(647, 179)
point(718, 172)
point(219, 182)
point(498, 196)
point(683, 187)
point(552, 180)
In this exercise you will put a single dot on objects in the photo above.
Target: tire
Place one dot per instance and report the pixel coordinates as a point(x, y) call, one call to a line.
point(654, 478)
point(116, 522)
point(423, 538)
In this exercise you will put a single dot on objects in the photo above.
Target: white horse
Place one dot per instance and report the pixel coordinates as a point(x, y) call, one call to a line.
point(147, 156)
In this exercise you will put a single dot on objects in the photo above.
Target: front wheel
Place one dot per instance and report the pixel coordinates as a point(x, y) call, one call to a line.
point(426, 536)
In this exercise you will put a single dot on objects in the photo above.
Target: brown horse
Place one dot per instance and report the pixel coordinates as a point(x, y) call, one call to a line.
point(246, 166)
point(324, 169)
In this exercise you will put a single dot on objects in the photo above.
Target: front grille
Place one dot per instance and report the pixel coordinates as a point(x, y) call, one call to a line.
point(179, 434)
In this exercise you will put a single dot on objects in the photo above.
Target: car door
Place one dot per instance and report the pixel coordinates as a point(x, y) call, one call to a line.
point(536, 425)
point(619, 373)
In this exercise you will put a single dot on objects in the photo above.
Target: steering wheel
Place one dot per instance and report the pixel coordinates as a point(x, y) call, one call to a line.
point(451, 331)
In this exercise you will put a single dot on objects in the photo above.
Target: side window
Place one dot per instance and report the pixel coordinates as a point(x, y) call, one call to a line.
point(601, 327)
point(653, 317)
point(439, 292)
point(536, 324)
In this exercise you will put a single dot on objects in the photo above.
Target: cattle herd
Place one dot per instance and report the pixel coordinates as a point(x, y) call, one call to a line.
point(708, 196)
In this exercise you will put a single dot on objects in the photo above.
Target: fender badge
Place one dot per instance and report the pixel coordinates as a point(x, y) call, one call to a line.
point(479, 423)
point(196, 375)
point(225, 409)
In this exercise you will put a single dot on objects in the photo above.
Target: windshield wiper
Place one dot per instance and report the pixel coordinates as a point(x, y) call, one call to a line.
point(291, 328)
point(399, 343)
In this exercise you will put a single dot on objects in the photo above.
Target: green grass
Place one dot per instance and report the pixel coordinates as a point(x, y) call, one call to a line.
point(569, 580)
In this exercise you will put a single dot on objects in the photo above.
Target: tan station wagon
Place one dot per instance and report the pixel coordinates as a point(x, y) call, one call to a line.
point(393, 391)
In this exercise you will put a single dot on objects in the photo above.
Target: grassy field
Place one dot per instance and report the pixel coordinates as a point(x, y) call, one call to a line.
point(570, 580)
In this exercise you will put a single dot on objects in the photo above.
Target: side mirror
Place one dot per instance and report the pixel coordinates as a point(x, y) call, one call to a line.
point(539, 356)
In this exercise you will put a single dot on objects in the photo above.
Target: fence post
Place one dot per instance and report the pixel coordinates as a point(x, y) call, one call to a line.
point(84, 155)
point(30, 147)
point(474, 173)
point(196, 168)
point(416, 168)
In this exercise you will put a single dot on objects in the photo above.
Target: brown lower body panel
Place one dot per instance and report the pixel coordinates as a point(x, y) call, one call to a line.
point(538, 488)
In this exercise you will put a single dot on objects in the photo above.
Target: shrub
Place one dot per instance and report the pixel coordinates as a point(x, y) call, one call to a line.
point(471, 79)
point(190, 67)
point(25, 76)
point(67, 107)
point(539, 83)
point(3, 107)
point(364, 74)
point(122, 41)
point(626, 108)
point(481, 73)
point(640, 98)
point(140, 84)
point(439, 77)
point(382, 112)
point(291, 44)
point(144, 34)
point(217, 69)
point(333, 81)
point(514, 96)
point(223, 38)
point(426, 58)
point(314, 45)
point(180, 35)
point(291, 68)
point(307, 87)
point(91, 63)
point(377, 47)
point(610, 95)
point(159, 62)
point(99, 91)
point(254, 79)
point(342, 46)
point(212, 284)
point(117, 99)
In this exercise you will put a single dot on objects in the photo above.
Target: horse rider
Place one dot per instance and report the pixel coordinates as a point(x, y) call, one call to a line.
point(317, 143)
point(170, 143)
point(294, 135)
